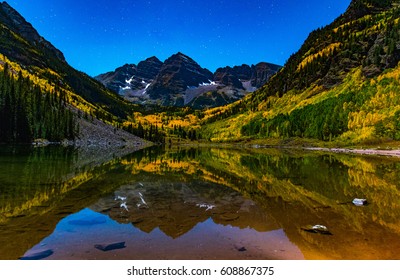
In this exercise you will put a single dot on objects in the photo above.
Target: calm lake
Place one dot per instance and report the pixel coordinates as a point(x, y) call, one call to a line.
point(196, 203)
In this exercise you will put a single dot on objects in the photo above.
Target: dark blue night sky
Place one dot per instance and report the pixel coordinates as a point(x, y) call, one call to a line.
point(98, 36)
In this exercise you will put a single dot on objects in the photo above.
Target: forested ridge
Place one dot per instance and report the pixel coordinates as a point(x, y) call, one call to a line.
point(27, 112)
point(341, 85)
point(42, 96)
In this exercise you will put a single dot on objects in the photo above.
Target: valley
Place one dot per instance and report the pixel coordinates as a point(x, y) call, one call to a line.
point(166, 160)
point(340, 88)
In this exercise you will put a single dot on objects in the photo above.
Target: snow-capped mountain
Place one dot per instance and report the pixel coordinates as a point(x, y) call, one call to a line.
point(180, 81)
point(130, 79)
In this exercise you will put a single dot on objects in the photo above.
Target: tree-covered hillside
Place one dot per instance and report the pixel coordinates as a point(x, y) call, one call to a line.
point(42, 96)
point(341, 85)
point(28, 113)
point(21, 43)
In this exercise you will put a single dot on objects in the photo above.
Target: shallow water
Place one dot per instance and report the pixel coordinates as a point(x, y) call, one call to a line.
point(208, 203)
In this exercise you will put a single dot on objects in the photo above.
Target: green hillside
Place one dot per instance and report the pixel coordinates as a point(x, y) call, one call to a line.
point(342, 85)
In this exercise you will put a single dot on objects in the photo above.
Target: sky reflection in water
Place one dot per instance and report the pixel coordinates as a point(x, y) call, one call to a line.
point(197, 204)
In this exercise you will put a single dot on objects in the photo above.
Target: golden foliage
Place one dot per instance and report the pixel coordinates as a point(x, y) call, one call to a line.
point(324, 52)
point(72, 98)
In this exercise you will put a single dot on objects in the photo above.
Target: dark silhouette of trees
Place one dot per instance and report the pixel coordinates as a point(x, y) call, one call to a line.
point(27, 112)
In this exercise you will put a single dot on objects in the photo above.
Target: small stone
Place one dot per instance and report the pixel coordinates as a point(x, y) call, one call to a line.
point(317, 229)
point(360, 201)
point(109, 247)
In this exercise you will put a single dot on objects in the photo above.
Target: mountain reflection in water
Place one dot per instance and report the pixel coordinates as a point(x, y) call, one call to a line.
point(209, 204)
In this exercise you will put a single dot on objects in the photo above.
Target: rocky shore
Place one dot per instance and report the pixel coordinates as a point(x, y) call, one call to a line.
point(98, 134)
point(392, 153)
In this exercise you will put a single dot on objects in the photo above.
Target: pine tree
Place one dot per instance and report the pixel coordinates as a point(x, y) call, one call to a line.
point(27, 112)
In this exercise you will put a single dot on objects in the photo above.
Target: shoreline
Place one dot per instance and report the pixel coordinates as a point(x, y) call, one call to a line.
point(373, 151)
point(392, 148)
point(141, 143)
point(392, 153)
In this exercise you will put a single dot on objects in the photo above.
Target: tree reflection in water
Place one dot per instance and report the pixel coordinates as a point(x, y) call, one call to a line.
point(206, 203)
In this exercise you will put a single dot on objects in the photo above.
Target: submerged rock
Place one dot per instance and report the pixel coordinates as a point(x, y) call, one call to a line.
point(317, 229)
point(109, 247)
point(241, 249)
point(38, 255)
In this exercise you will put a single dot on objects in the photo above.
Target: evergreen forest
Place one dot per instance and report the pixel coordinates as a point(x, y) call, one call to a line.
point(27, 112)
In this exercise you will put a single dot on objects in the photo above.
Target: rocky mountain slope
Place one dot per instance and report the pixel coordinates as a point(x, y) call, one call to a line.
point(179, 73)
point(130, 77)
point(180, 81)
point(257, 75)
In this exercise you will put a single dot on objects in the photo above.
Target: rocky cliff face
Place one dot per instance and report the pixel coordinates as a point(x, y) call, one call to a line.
point(149, 68)
point(116, 80)
point(229, 77)
point(178, 73)
point(131, 80)
point(262, 72)
point(257, 74)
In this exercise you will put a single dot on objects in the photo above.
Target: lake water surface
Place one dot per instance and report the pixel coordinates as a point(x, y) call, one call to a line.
point(196, 203)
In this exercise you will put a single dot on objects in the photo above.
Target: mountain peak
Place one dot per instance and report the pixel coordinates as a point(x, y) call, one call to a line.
point(4, 3)
point(149, 68)
point(153, 58)
point(180, 79)
point(17, 23)
point(177, 74)
point(181, 56)
point(360, 8)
